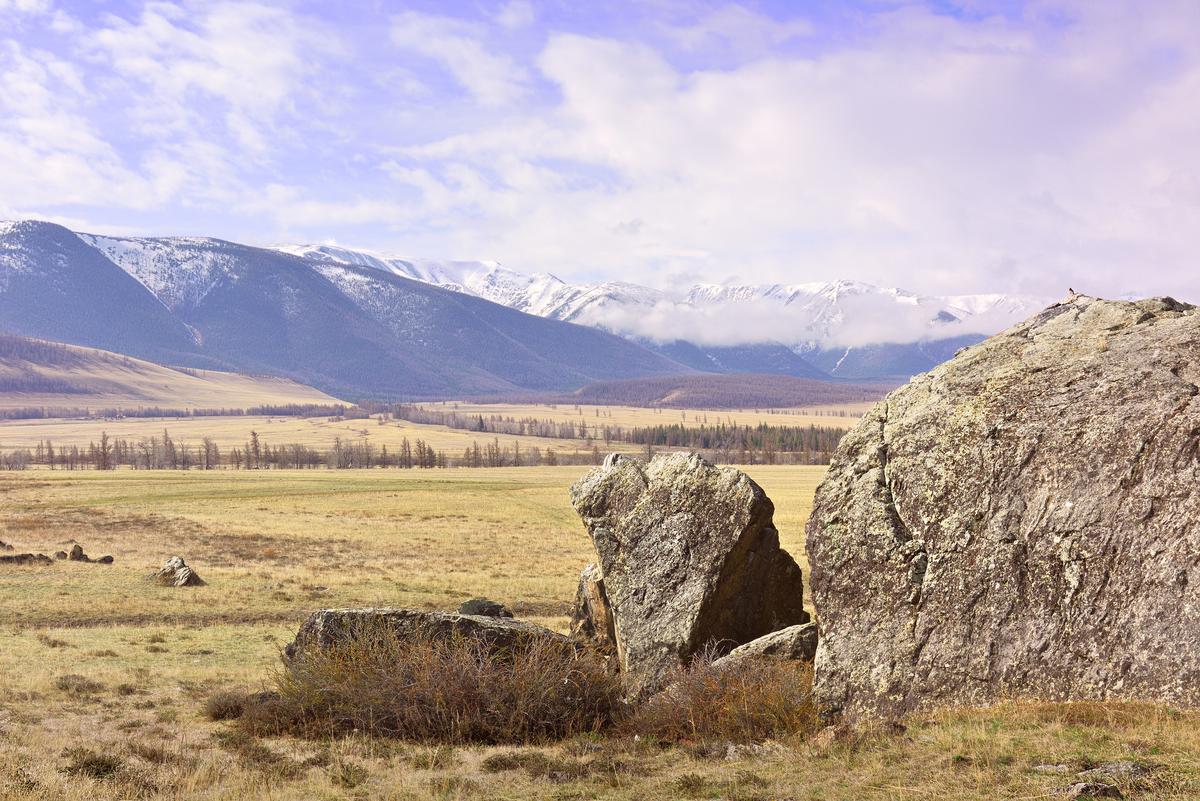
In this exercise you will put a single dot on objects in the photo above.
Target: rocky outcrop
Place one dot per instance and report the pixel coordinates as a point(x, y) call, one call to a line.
point(176, 573)
point(689, 557)
point(796, 643)
point(1020, 521)
point(329, 628)
point(77, 555)
point(26, 559)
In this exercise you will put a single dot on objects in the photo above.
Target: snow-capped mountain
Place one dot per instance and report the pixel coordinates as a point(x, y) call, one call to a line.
point(726, 326)
point(354, 330)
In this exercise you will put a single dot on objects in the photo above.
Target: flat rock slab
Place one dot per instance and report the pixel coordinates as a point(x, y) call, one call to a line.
point(795, 643)
point(1021, 521)
point(329, 628)
point(689, 558)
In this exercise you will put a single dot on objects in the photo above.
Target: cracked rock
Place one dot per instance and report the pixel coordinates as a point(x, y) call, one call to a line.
point(689, 559)
point(1020, 522)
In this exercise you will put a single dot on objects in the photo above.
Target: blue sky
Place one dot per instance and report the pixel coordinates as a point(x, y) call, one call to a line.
point(942, 147)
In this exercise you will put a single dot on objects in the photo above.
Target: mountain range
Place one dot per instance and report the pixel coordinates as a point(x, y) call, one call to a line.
point(841, 329)
point(360, 325)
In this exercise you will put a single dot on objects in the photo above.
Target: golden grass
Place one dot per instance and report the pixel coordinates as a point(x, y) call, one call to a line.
point(835, 416)
point(114, 380)
point(274, 546)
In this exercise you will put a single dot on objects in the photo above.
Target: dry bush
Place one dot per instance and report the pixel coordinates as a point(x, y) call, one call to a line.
point(441, 689)
point(226, 705)
point(86, 762)
point(74, 684)
point(751, 701)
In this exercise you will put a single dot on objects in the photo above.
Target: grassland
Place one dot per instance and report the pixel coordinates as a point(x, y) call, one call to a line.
point(321, 432)
point(78, 377)
point(275, 545)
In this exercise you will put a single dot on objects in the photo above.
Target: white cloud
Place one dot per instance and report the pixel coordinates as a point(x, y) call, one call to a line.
point(492, 78)
point(516, 14)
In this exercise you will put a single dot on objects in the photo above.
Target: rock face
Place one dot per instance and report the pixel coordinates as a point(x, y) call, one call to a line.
point(688, 556)
point(329, 627)
point(176, 573)
point(591, 619)
point(1022, 520)
point(797, 643)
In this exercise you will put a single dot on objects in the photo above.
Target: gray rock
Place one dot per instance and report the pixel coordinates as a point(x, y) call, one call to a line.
point(329, 628)
point(77, 554)
point(1123, 770)
point(795, 643)
point(689, 557)
point(482, 606)
point(1052, 770)
point(104, 560)
point(60, 555)
point(1020, 521)
point(1091, 790)
point(26, 559)
point(176, 573)
point(591, 620)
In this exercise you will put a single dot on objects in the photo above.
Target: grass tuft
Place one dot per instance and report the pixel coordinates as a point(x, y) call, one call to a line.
point(750, 702)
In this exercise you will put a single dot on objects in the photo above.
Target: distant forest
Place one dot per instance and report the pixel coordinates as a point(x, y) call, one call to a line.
point(721, 442)
point(710, 391)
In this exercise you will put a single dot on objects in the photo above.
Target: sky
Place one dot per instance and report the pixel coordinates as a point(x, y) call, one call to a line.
point(943, 147)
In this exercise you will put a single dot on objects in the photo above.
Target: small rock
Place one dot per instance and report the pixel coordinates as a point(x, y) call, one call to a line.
point(77, 554)
point(591, 619)
point(484, 607)
point(1091, 790)
point(104, 560)
point(4, 546)
point(60, 554)
point(753, 750)
point(176, 573)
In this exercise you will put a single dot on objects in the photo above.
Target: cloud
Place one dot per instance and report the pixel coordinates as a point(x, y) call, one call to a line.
point(516, 14)
point(491, 78)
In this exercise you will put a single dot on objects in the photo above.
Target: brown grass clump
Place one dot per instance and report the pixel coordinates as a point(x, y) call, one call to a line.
point(74, 684)
point(751, 701)
point(442, 690)
point(86, 762)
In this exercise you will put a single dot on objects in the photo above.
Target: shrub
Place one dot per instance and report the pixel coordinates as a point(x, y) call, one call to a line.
point(452, 689)
point(74, 684)
point(225, 705)
point(750, 701)
point(85, 762)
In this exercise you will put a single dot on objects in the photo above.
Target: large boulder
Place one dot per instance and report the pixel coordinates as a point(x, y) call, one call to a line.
point(329, 628)
point(689, 559)
point(1023, 520)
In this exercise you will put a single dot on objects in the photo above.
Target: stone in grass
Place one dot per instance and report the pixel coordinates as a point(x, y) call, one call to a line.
point(176, 573)
point(1091, 790)
point(794, 643)
point(484, 607)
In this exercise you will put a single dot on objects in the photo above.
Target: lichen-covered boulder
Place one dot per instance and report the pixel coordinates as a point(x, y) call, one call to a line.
point(329, 628)
point(1023, 520)
point(689, 557)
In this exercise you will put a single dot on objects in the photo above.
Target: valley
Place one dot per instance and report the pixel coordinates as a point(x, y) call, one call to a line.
point(100, 664)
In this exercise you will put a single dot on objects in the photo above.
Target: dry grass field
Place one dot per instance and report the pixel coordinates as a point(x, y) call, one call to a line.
point(839, 416)
point(231, 432)
point(100, 379)
point(103, 675)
